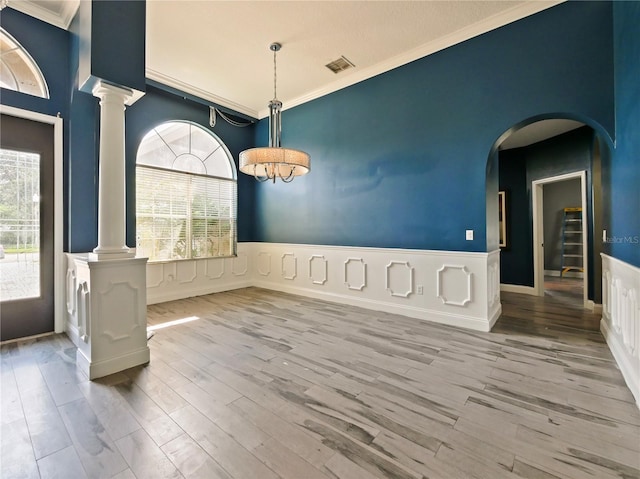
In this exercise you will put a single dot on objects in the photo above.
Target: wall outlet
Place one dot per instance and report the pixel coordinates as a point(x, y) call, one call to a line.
point(469, 235)
point(420, 289)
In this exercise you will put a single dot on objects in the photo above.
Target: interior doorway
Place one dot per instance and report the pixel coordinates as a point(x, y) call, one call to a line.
point(560, 248)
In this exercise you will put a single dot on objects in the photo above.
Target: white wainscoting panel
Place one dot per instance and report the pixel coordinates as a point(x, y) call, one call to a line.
point(355, 273)
point(71, 320)
point(172, 280)
point(186, 271)
point(214, 268)
point(620, 324)
point(240, 264)
point(494, 307)
point(155, 275)
point(454, 284)
point(318, 269)
point(399, 279)
point(386, 279)
point(264, 264)
point(289, 266)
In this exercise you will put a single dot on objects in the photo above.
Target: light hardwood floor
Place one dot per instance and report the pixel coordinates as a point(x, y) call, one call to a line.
point(259, 384)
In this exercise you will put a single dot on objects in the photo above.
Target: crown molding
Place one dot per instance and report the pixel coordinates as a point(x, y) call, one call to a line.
point(200, 93)
point(61, 19)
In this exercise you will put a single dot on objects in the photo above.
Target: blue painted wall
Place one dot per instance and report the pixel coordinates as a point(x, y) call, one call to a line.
point(400, 160)
point(516, 261)
point(84, 129)
point(159, 106)
point(622, 212)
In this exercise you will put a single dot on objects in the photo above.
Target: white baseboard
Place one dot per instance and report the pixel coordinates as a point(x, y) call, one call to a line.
point(164, 296)
point(629, 370)
point(99, 369)
point(516, 288)
point(593, 307)
point(569, 274)
point(72, 331)
point(458, 320)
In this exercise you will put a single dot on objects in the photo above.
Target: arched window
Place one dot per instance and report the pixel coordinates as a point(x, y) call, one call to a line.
point(185, 194)
point(18, 71)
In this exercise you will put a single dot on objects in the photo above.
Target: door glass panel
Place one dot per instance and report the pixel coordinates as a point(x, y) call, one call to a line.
point(19, 225)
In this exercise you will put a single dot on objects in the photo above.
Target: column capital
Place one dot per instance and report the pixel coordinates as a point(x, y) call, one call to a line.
point(103, 89)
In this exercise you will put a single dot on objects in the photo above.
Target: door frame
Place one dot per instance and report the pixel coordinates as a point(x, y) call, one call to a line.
point(58, 211)
point(538, 233)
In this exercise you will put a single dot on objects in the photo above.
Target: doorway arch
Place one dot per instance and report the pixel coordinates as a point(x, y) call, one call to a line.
point(600, 147)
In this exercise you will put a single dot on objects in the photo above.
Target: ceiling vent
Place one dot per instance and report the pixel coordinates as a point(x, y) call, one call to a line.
point(339, 65)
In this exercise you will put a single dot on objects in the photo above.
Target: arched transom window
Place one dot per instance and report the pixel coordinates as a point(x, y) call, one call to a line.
point(18, 71)
point(186, 194)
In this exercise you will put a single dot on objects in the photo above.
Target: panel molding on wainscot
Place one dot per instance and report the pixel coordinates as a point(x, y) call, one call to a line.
point(172, 280)
point(449, 287)
point(620, 324)
point(407, 282)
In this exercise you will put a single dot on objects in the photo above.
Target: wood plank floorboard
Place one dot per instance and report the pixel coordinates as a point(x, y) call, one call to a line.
point(259, 384)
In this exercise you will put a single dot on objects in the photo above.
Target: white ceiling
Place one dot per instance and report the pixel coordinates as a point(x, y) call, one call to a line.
point(539, 131)
point(219, 49)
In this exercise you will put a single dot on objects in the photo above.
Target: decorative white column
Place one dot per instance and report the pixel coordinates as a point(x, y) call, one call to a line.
point(111, 177)
point(107, 289)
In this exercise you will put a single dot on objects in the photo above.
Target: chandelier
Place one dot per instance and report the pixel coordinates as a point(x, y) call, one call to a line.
point(269, 163)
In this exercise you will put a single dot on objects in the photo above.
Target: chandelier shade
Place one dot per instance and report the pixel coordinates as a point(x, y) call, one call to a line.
point(272, 162)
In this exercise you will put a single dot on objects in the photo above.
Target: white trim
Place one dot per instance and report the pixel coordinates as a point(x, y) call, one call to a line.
point(538, 230)
point(60, 19)
point(620, 324)
point(594, 307)
point(99, 369)
point(200, 93)
point(627, 368)
point(516, 288)
point(451, 319)
point(59, 265)
point(569, 274)
point(163, 296)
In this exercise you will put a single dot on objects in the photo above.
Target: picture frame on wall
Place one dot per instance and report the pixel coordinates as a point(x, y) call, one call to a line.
point(502, 219)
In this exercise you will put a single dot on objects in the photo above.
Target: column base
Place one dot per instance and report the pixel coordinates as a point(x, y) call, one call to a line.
point(99, 369)
point(109, 302)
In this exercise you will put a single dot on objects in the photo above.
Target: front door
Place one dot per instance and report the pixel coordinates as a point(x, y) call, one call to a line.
point(26, 228)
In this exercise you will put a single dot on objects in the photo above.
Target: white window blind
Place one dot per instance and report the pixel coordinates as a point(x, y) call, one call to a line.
point(183, 215)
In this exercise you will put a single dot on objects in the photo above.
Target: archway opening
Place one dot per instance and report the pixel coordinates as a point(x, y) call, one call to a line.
point(538, 168)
